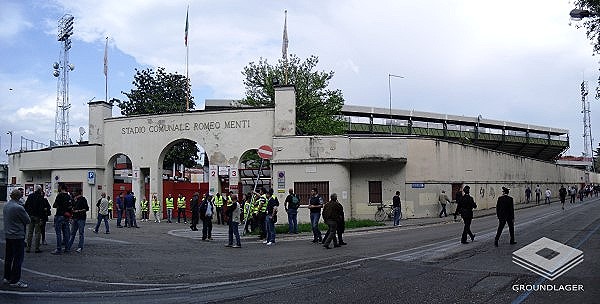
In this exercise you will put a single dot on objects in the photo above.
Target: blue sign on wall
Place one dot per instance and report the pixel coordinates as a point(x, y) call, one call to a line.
point(418, 185)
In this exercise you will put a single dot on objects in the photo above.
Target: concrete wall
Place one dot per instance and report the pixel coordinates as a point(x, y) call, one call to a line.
point(438, 164)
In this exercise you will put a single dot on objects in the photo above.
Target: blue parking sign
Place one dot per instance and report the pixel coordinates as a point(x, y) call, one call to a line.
point(91, 177)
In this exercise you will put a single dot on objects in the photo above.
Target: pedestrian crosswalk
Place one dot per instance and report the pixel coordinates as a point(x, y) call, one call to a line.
point(219, 232)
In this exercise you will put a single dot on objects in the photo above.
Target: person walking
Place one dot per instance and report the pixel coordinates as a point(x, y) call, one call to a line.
point(573, 194)
point(291, 204)
point(505, 210)
point(457, 198)
point(234, 222)
point(443, 199)
point(102, 205)
point(396, 205)
point(271, 217)
point(34, 205)
point(547, 196)
point(538, 194)
point(314, 205)
point(181, 209)
point(15, 221)
point(331, 215)
point(195, 208)
point(466, 206)
point(206, 215)
point(155, 208)
point(64, 208)
point(80, 209)
point(527, 195)
point(562, 193)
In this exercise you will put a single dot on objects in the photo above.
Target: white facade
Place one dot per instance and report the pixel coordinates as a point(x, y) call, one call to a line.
point(346, 163)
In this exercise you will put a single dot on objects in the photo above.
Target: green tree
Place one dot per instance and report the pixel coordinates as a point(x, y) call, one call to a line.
point(592, 27)
point(317, 107)
point(155, 93)
point(159, 93)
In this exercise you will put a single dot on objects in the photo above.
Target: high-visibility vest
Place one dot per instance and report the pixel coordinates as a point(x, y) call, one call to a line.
point(110, 205)
point(144, 205)
point(181, 202)
point(229, 201)
point(255, 206)
point(247, 209)
point(155, 205)
point(218, 201)
point(263, 203)
point(169, 202)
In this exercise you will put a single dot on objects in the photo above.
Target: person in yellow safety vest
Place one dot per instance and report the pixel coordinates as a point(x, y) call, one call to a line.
point(247, 209)
point(169, 204)
point(155, 208)
point(144, 209)
point(262, 213)
point(218, 202)
point(181, 209)
point(110, 208)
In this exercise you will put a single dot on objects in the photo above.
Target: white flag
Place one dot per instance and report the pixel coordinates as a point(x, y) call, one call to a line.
point(284, 46)
point(106, 58)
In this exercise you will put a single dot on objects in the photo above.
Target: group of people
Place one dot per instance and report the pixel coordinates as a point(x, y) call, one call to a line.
point(504, 211)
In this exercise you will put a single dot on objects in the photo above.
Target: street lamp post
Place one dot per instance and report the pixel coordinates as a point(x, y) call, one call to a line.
point(390, 91)
point(10, 133)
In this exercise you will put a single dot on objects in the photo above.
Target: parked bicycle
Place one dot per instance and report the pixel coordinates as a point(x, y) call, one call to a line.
point(384, 212)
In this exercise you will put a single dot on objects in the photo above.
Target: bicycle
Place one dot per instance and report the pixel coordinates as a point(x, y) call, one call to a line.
point(382, 214)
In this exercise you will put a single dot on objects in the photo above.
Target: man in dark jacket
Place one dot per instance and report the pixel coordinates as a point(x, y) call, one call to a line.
point(64, 207)
point(466, 206)
point(505, 210)
point(195, 206)
point(332, 211)
point(80, 209)
point(34, 205)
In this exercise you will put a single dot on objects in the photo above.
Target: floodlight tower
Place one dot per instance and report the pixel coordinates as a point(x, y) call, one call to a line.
point(61, 71)
point(587, 123)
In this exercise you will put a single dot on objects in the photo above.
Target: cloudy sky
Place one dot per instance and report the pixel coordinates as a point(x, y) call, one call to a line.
point(520, 61)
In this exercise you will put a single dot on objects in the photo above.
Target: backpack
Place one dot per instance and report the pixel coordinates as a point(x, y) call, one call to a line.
point(295, 202)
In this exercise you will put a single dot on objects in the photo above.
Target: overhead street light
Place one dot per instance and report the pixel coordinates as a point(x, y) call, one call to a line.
point(578, 14)
point(390, 91)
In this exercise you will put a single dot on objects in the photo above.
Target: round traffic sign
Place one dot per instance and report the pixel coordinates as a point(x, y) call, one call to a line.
point(265, 152)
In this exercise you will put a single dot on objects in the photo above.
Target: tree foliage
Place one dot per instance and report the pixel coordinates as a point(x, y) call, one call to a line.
point(317, 107)
point(155, 93)
point(592, 27)
point(160, 93)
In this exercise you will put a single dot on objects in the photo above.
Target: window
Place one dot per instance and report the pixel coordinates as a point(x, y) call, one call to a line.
point(302, 189)
point(375, 192)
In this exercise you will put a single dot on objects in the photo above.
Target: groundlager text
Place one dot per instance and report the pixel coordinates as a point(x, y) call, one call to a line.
point(548, 287)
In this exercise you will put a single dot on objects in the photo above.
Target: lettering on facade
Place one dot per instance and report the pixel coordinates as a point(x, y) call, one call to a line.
point(181, 127)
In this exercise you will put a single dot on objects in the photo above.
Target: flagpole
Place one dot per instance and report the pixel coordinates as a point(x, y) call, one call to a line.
point(106, 70)
point(187, 68)
point(284, 50)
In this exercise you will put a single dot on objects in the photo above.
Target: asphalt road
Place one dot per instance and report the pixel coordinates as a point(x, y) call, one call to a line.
point(425, 263)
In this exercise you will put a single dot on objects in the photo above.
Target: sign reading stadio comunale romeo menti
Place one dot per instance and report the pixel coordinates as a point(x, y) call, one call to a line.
point(187, 126)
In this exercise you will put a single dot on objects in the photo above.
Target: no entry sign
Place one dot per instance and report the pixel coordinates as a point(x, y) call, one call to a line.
point(265, 152)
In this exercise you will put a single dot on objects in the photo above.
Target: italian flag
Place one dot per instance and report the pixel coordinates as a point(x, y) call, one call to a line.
point(186, 26)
